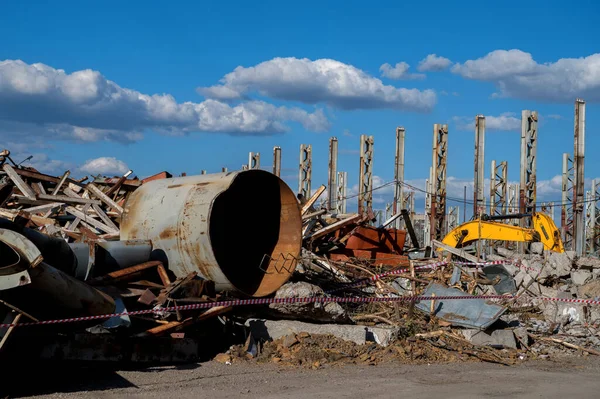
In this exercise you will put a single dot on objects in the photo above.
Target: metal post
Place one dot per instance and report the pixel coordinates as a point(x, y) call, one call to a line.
point(365, 184)
point(465, 205)
point(478, 194)
point(388, 211)
point(408, 203)
point(578, 194)
point(596, 223)
point(566, 213)
point(452, 219)
point(399, 175)
point(305, 170)
point(277, 161)
point(438, 181)
point(428, 199)
point(527, 194)
point(341, 192)
point(254, 160)
point(331, 188)
point(528, 164)
point(590, 218)
point(499, 188)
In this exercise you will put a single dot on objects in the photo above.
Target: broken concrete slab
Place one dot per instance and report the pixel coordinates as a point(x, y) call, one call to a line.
point(496, 338)
point(328, 312)
point(563, 313)
point(559, 264)
point(580, 277)
point(589, 290)
point(507, 253)
point(588, 263)
point(537, 248)
point(470, 313)
point(275, 329)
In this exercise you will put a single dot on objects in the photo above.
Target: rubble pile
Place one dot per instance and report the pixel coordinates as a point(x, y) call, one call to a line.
point(145, 300)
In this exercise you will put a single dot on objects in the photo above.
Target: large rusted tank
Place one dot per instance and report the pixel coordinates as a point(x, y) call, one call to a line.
point(243, 230)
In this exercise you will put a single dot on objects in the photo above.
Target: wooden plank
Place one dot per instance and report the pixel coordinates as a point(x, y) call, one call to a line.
point(89, 220)
point(455, 251)
point(108, 221)
point(336, 226)
point(67, 200)
point(20, 183)
point(61, 182)
point(40, 176)
point(44, 208)
point(104, 198)
point(313, 199)
point(38, 188)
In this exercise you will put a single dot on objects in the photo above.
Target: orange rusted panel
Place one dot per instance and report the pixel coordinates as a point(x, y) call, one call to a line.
point(158, 176)
point(373, 239)
point(375, 257)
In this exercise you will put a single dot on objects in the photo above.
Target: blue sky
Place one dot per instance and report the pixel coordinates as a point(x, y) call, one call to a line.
point(152, 87)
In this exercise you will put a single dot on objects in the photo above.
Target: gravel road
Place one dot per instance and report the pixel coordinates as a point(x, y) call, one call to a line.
point(573, 377)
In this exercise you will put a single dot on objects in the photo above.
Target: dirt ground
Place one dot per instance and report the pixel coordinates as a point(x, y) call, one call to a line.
point(572, 377)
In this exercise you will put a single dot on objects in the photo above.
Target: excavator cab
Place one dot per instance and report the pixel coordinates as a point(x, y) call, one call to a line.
point(489, 228)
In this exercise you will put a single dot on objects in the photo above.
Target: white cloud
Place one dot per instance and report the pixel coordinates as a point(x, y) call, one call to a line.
point(505, 122)
point(433, 63)
point(399, 71)
point(85, 106)
point(554, 116)
point(104, 166)
point(321, 81)
point(516, 74)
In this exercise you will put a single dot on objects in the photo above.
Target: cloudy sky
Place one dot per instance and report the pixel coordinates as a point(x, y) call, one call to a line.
point(113, 86)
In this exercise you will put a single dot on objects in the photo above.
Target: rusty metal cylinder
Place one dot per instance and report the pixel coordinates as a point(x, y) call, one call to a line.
point(242, 230)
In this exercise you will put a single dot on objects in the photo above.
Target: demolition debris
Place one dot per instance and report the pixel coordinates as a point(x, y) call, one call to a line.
point(235, 266)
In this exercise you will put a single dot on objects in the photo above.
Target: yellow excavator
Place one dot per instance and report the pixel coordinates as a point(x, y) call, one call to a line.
point(487, 228)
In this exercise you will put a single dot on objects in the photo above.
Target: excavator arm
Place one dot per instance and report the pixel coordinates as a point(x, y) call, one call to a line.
point(544, 230)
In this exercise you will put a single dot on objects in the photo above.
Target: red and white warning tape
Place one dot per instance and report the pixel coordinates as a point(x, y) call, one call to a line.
point(265, 301)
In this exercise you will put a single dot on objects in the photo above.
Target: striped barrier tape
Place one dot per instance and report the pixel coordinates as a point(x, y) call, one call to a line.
point(265, 301)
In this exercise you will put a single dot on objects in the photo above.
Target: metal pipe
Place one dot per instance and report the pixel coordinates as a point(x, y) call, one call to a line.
point(242, 230)
point(49, 293)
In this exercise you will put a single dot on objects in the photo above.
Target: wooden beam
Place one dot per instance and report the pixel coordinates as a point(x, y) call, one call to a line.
point(89, 220)
point(67, 200)
point(20, 183)
point(104, 198)
point(61, 182)
point(108, 221)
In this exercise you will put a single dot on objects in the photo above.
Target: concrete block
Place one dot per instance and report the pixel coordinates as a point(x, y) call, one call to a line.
point(275, 329)
point(559, 312)
point(588, 263)
point(497, 338)
point(560, 264)
point(580, 277)
point(589, 290)
point(328, 312)
point(537, 248)
point(507, 253)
